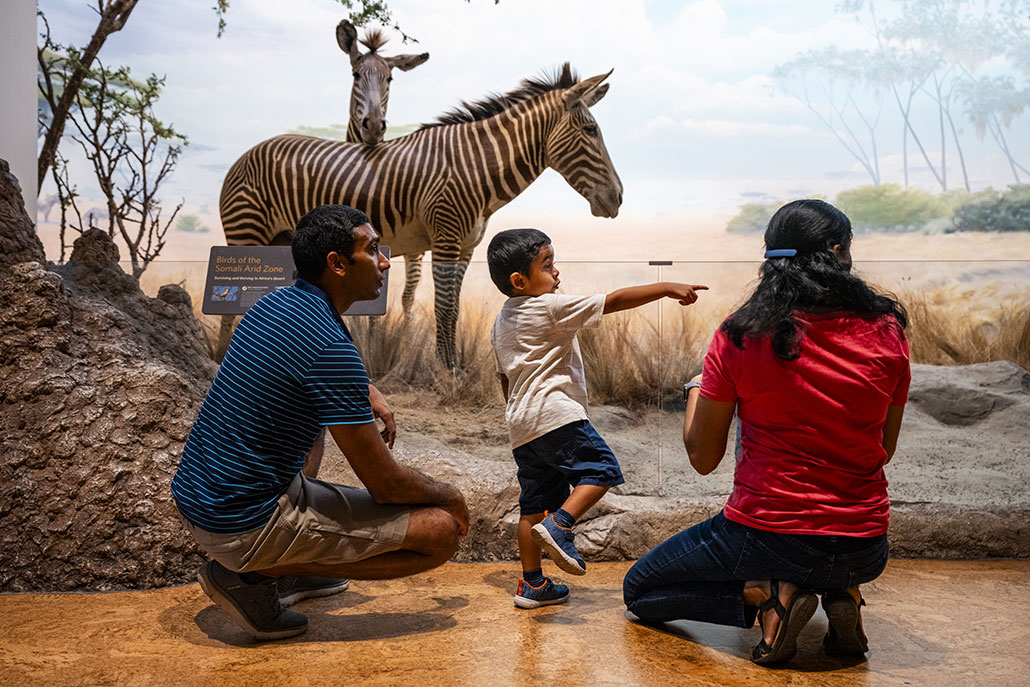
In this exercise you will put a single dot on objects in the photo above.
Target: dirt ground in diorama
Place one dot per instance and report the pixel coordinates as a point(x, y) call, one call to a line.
point(934, 463)
point(947, 623)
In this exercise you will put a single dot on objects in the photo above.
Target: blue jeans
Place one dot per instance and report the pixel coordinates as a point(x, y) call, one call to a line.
point(699, 574)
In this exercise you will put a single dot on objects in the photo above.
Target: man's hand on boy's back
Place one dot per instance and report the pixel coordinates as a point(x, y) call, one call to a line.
point(636, 296)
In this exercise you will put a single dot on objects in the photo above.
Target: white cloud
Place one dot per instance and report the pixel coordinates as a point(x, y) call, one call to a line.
point(662, 127)
point(723, 128)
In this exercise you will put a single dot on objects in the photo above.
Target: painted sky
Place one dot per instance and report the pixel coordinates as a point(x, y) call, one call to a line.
point(694, 120)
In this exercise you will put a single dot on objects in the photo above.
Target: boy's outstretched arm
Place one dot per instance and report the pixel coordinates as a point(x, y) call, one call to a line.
point(636, 296)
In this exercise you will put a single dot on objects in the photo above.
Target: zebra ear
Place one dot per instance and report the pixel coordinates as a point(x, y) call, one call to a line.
point(347, 38)
point(406, 62)
point(593, 96)
point(586, 91)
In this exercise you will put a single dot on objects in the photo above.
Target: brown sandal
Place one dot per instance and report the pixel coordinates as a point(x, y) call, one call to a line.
point(795, 616)
point(845, 636)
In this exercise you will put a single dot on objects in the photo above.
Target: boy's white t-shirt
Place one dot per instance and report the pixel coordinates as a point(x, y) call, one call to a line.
point(535, 347)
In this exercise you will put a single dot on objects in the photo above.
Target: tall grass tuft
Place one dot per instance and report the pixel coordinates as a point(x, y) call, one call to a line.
point(628, 361)
point(399, 353)
point(940, 333)
point(631, 361)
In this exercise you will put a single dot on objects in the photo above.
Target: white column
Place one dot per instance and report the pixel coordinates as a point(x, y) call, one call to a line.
point(18, 94)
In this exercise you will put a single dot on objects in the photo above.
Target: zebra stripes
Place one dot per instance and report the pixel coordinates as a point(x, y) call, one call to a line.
point(433, 189)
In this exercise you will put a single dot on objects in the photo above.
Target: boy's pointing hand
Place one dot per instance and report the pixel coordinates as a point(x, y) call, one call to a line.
point(685, 293)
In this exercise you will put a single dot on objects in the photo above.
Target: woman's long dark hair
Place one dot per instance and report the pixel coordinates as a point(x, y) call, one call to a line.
point(815, 279)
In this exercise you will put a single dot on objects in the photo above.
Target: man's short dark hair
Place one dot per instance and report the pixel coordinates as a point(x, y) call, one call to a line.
point(325, 229)
point(513, 250)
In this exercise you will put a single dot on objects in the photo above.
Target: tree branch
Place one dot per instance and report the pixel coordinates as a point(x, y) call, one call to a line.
point(113, 16)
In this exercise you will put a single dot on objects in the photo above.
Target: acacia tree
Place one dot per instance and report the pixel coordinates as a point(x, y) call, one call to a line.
point(950, 40)
point(130, 150)
point(132, 153)
point(991, 103)
point(112, 17)
point(828, 82)
point(361, 12)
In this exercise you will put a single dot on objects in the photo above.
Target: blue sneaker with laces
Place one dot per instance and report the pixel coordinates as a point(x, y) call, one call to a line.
point(547, 594)
point(557, 541)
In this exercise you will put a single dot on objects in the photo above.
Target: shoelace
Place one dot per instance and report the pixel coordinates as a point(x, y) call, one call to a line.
point(272, 598)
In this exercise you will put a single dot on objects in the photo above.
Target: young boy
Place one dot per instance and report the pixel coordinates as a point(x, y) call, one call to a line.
point(541, 374)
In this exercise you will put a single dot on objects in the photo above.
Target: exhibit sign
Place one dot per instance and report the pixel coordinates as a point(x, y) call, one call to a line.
point(237, 276)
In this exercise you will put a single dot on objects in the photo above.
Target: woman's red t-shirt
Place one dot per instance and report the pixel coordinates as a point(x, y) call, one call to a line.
point(812, 429)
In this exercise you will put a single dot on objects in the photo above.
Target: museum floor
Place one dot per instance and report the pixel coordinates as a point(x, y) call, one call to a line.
point(938, 623)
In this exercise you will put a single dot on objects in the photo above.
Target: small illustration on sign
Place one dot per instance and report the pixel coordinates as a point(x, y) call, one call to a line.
point(220, 292)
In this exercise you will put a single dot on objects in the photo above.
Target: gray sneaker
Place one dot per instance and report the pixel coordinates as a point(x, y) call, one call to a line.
point(255, 607)
point(294, 588)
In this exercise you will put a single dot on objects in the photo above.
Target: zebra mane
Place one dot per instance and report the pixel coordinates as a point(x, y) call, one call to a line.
point(374, 39)
point(496, 103)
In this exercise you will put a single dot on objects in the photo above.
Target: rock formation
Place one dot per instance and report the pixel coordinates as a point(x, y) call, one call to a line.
point(100, 386)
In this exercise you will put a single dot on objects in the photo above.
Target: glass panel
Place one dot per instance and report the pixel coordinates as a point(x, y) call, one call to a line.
point(960, 312)
point(637, 361)
point(619, 358)
point(686, 332)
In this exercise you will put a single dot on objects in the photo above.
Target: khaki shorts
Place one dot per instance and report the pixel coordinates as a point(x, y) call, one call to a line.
point(314, 522)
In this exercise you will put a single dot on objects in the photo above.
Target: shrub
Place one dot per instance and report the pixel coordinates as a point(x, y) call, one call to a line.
point(888, 208)
point(190, 224)
point(752, 218)
point(993, 211)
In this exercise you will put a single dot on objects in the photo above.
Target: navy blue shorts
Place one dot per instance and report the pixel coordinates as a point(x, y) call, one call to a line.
point(569, 456)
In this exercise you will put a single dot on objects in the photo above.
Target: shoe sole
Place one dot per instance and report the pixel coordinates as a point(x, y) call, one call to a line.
point(546, 542)
point(523, 602)
point(300, 595)
point(226, 604)
point(799, 611)
point(843, 616)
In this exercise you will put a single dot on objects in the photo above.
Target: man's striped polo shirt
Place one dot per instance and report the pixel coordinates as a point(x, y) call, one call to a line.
point(291, 369)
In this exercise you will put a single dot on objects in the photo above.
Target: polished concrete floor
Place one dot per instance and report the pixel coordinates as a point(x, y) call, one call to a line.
point(942, 624)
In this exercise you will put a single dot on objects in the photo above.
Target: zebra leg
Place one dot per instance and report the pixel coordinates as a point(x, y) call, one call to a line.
point(224, 334)
point(447, 278)
point(412, 276)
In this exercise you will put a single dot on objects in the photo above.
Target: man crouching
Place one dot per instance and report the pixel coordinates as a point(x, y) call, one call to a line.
point(246, 483)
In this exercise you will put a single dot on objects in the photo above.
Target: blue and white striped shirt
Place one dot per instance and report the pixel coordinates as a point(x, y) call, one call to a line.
point(291, 369)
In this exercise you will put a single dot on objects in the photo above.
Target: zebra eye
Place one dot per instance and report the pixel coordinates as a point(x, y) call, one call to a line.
point(356, 75)
point(389, 79)
point(590, 130)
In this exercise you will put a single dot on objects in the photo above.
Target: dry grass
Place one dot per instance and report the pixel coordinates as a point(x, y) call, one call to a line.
point(638, 358)
point(400, 355)
point(627, 361)
point(942, 332)
point(633, 360)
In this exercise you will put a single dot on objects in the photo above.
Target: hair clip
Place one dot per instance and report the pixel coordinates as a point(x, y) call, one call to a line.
point(781, 253)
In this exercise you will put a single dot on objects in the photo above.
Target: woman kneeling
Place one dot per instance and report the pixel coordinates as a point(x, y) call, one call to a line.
point(815, 363)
